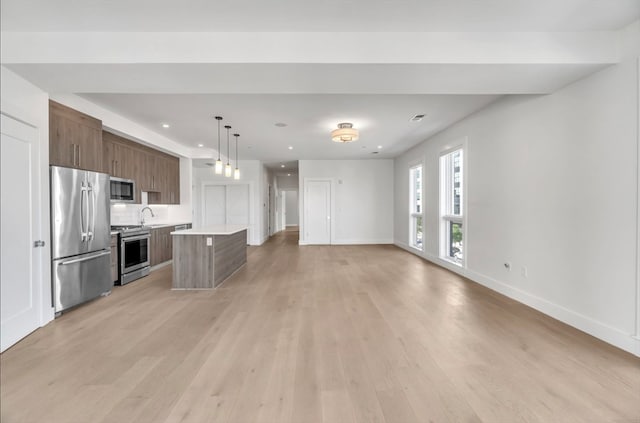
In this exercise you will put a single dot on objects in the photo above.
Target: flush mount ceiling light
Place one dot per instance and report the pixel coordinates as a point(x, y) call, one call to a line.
point(345, 133)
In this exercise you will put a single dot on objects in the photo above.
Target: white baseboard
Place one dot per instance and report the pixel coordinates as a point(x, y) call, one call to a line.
point(352, 242)
point(602, 331)
point(361, 241)
point(292, 224)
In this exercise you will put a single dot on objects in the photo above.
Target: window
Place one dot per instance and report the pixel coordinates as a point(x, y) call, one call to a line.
point(415, 207)
point(451, 206)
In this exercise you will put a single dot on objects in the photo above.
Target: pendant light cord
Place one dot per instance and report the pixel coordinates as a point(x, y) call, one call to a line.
point(228, 150)
point(236, 135)
point(218, 118)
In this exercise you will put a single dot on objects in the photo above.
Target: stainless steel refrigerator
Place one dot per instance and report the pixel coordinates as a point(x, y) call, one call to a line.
point(80, 236)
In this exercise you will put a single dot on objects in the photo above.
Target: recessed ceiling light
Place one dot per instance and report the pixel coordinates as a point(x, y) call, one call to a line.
point(200, 145)
point(165, 125)
point(288, 174)
point(290, 148)
point(281, 124)
point(379, 147)
point(281, 165)
point(417, 118)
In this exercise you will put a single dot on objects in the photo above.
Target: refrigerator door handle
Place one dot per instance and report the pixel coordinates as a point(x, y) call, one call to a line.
point(91, 257)
point(91, 211)
point(83, 233)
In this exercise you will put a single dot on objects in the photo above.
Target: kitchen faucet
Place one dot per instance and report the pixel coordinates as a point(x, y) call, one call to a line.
point(142, 214)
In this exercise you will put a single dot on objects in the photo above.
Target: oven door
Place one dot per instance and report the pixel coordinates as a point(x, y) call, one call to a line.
point(135, 253)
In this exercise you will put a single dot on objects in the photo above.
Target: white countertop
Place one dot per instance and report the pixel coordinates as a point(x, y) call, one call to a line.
point(212, 230)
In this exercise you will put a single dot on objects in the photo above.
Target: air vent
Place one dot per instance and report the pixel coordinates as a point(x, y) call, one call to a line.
point(210, 164)
point(374, 152)
point(417, 118)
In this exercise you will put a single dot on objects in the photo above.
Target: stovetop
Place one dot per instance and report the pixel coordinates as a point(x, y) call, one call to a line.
point(127, 230)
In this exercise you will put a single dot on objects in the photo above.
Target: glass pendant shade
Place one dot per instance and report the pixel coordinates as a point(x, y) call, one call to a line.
point(227, 170)
point(236, 173)
point(345, 133)
point(218, 167)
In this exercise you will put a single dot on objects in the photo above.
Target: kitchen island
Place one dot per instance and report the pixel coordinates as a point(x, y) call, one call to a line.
point(204, 257)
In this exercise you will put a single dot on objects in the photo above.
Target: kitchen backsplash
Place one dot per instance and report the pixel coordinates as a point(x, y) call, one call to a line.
point(129, 214)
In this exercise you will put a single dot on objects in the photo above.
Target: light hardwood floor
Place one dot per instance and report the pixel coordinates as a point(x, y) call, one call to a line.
point(316, 334)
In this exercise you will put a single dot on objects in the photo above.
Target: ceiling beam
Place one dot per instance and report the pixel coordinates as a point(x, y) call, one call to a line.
point(310, 47)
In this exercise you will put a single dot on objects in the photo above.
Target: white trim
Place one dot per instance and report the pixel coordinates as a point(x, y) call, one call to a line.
point(625, 341)
point(459, 144)
point(332, 206)
point(362, 241)
point(419, 163)
point(637, 335)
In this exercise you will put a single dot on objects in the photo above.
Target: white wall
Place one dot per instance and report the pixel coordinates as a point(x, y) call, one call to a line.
point(552, 186)
point(291, 208)
point(251, 173)
point(287, 182)
point(24, 101)
point(363, 200)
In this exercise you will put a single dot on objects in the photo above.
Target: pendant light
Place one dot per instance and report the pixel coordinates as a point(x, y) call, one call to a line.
point(236, 173)
point(227, 168)
point(218, 167)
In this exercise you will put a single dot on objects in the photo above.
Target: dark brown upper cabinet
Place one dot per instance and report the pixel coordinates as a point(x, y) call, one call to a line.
point(75, 139)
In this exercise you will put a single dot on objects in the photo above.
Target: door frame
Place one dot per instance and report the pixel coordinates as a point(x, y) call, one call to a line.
point(204, 184)
point(302, 218)
point(41, 260)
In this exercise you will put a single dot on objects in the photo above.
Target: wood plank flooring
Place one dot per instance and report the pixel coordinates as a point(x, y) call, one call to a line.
point(316, 334)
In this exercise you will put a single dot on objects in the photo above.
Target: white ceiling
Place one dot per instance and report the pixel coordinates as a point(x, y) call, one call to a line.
point(382, 120)
point(318, 15)
point(310, 64)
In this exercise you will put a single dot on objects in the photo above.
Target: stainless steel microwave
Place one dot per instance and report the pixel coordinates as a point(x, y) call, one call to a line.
point(123, 190)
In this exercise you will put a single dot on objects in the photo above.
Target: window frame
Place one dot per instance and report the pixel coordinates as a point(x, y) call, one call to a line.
point(413, 214)
point(448, 217)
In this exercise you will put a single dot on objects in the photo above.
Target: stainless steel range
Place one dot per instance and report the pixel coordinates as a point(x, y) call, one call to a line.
point(135, 247)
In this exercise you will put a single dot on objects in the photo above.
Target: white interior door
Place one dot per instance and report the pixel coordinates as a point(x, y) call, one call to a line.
point(21, 263)
point(317, 205)
point(215, 205)
point(227, 204)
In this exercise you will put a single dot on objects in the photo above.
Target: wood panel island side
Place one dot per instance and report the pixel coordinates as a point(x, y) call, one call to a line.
point(204, 257)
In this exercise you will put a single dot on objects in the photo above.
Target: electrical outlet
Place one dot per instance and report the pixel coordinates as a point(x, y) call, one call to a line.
point(507, 266)
point(524, 272)
point(209, 241)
